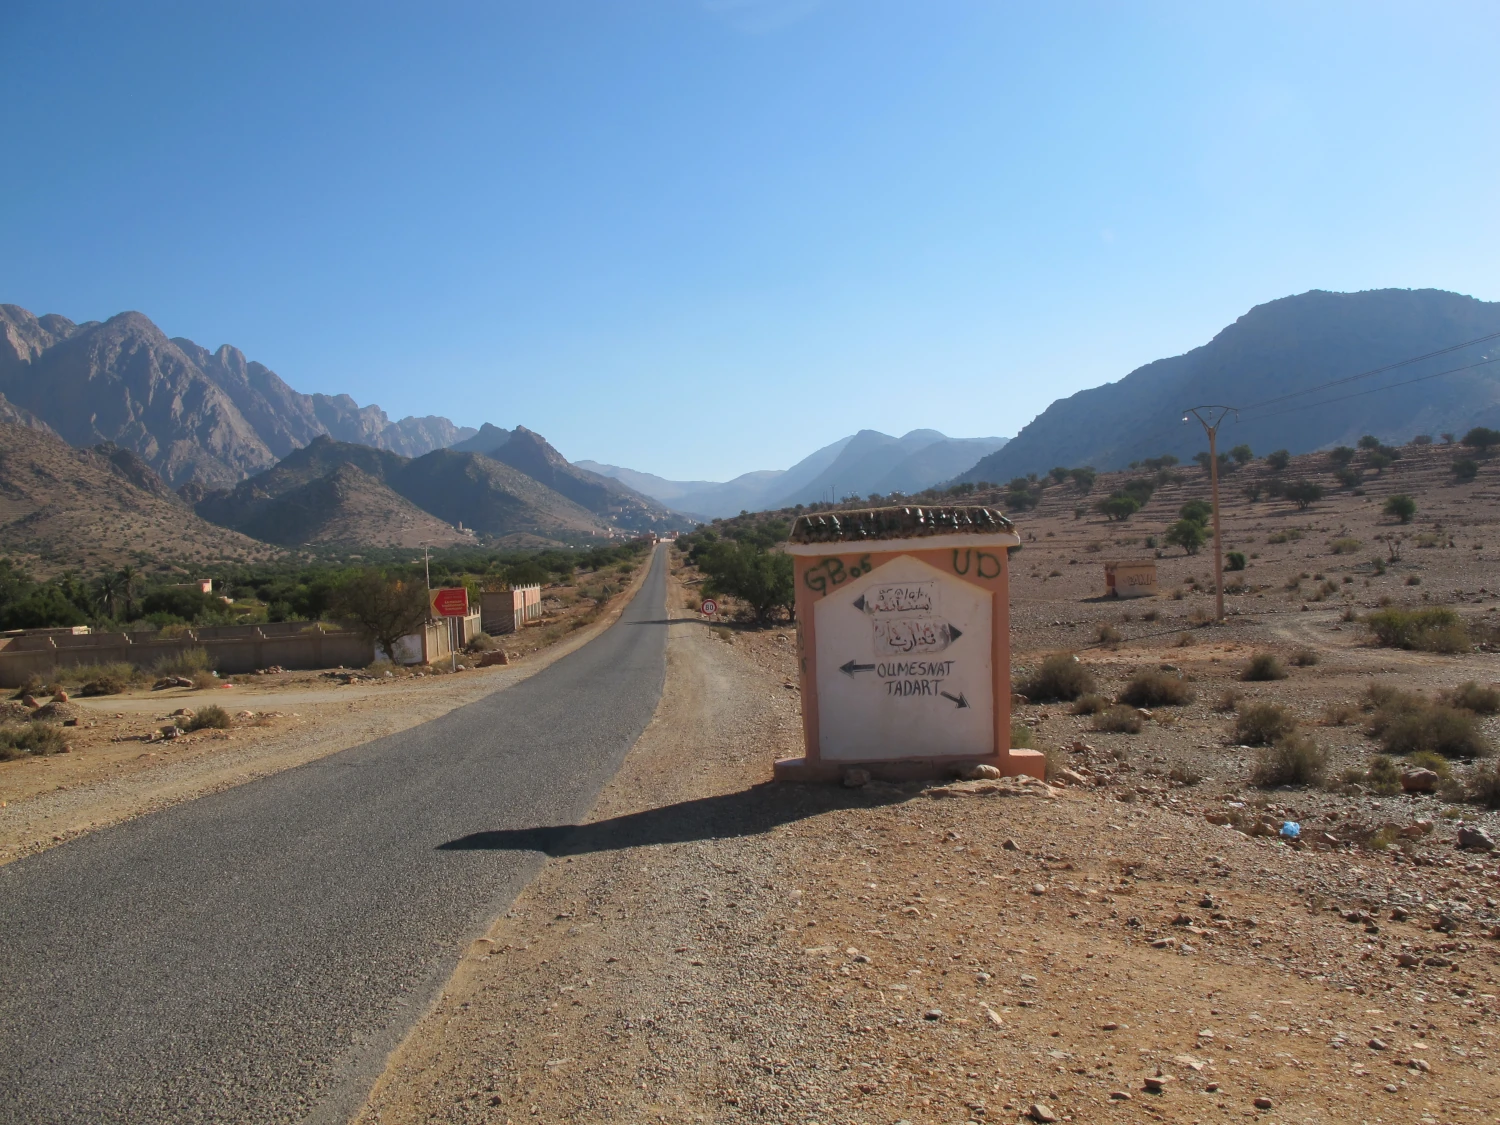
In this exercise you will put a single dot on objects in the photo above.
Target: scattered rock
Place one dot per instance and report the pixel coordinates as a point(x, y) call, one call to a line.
point(1010, 845)
point(1041, 1113)
point(59, 696)
point(1069, 777)
point(1156, 1083)
point(1119, 1096)
point(1419, 780)
point(1475, 839)
point(933, 1014)
point(974, 771)
point(30, 702)
point(490, 659)
point(1262, 1103)
point(856, 778)
point(1416, 829)
point(1378, 1045)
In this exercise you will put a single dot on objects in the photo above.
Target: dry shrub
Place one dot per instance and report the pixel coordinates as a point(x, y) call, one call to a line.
point(17, 740)
point(1293, 759)
point(1151, 615)
point(1118, 720)
point(1339, 714)
point(1304, 658)
point(1472, 697)
point(1484, 787)
point(115, 671)
point(1228, 703)
point(1345, 546)
point(1061, 677)
point(480, 642)
point(1435, 629)
point(1184, 775)
point(212, 717)
point(1200, 617)
point(1154, 688)
point(1383, 776)
point(184, 663)
point(1108, 634)
point(1427, 760)
point(1186, 640)
point(1022, 737)
point(1264, 666)
point(1435, 727)
point(1091, 703)
point(1263, 724)
point(103, 685)
point(204, 681)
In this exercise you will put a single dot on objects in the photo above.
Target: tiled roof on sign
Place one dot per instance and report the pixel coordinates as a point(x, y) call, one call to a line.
point(908, 522)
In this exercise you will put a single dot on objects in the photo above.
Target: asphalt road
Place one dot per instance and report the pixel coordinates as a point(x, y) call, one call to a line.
point(252, 956)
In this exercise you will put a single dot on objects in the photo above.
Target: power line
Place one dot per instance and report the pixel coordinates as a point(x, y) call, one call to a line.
point(1376, 390)
point(1376, 371)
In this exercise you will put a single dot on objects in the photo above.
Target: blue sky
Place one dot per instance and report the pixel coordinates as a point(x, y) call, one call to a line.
point(699, 237)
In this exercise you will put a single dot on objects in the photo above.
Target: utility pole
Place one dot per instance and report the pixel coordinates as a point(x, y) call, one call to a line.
point(1211, 418)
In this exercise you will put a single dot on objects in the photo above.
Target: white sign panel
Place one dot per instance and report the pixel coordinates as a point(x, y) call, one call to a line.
point(904, 666)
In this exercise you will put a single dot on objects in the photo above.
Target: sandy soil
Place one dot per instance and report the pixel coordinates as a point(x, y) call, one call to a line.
point(709, 947)
point(112, 773)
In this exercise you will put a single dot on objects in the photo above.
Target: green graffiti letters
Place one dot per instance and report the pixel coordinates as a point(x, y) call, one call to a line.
point(832, 572)
point(986, 564)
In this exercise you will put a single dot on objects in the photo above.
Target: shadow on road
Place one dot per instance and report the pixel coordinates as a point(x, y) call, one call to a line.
point(746, 813)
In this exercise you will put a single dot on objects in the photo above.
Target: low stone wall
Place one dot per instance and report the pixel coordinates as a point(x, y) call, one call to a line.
point(244, 649)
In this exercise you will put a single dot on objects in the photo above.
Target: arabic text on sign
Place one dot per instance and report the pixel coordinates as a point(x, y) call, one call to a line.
point(910, 598)
point(901, 635)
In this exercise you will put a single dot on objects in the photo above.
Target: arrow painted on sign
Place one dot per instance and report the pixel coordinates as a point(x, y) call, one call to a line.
point(850, 668)
point(958, 699)
point(859, 602)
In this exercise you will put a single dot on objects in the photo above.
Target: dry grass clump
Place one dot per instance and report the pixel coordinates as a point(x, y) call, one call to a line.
point(212, 717)
point(17, 740)
point(1228, 703)
point(1091, 703)
point(480, 642)
point(1263, 724)
point(1345, 546)
point(1484, 787)
point(1293, 759)
point(120, 672)
point(1472, 697)
point(1339, 714)
point(1118, 720)
point(1186, 640)
point(1061, 677)
point(1304, 658)
point(1108, 634)
point(1383, 777)
point(1021, 737)
point(204, 681)
point(1407, 723)
point(1427, 760)
point(1154, 688)
point(184, 663)
point(1264, 666)
point(1435, 629)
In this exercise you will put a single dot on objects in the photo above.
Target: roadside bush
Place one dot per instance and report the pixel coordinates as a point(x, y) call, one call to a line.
point(1155, 688)
point(1188, 534)
point(103, 685)
point(1118, 720)
point(1261, 724)
point(1383, 776)
point(184, 663)
point(483, 642)
point(1400, 507)
point(204, 681)
point(212, 717)
point(1293, 759)
point(1304, 658)
point(1339, 714)
point(1465, 469)
point(1345, 546)
point(1435, 629)
point(1228, 703)
point(1021, 737)
point(1264, 666)
point(1234, 560)
point(1472, 697)
point(1108, 635)
point(1090, 704)
point(1060, 678)
point(20, 739)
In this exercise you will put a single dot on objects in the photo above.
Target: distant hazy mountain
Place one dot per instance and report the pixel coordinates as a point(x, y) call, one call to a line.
point(349, 493)
point(188, 412)
point(1276, 349)
point(860, 464)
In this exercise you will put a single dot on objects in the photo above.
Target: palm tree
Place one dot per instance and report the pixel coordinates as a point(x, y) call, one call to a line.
point(128, 578)
point(106, 590)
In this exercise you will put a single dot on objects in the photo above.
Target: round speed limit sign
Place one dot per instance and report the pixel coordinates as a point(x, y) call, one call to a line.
point(710, 607)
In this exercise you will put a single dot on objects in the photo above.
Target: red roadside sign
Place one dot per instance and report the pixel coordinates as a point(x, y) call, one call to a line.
point(452, 601)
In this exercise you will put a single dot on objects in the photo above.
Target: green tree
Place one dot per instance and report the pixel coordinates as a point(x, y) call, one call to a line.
point(1084, 478)
point(1234, 560)
point(1118, 507)
point(753, 574)
point(1341, 455)
point(1369, 441)
point(1482, 439)
point(1199, 511)
point(384, 609)
point(1465, 469)
point(1242, 454)
point(1278, 460)
point(1303, 493)
point(1401, 506)
point(1190, 535)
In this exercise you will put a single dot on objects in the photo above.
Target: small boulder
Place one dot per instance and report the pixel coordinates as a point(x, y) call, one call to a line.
point(1419, 780)
point(1041, 1113)
point(1475, 839)
point(490, 659)
point(59, 696)
point(856, 778)
point(976, 771)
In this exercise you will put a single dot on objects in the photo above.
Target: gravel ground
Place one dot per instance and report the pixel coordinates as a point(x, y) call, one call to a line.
point(709, 947)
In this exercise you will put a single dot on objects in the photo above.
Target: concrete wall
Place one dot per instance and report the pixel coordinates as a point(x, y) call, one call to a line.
point(234, 649)
point(506, 611)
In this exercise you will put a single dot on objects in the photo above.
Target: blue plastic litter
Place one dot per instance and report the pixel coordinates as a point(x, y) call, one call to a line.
point(1290, 830)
